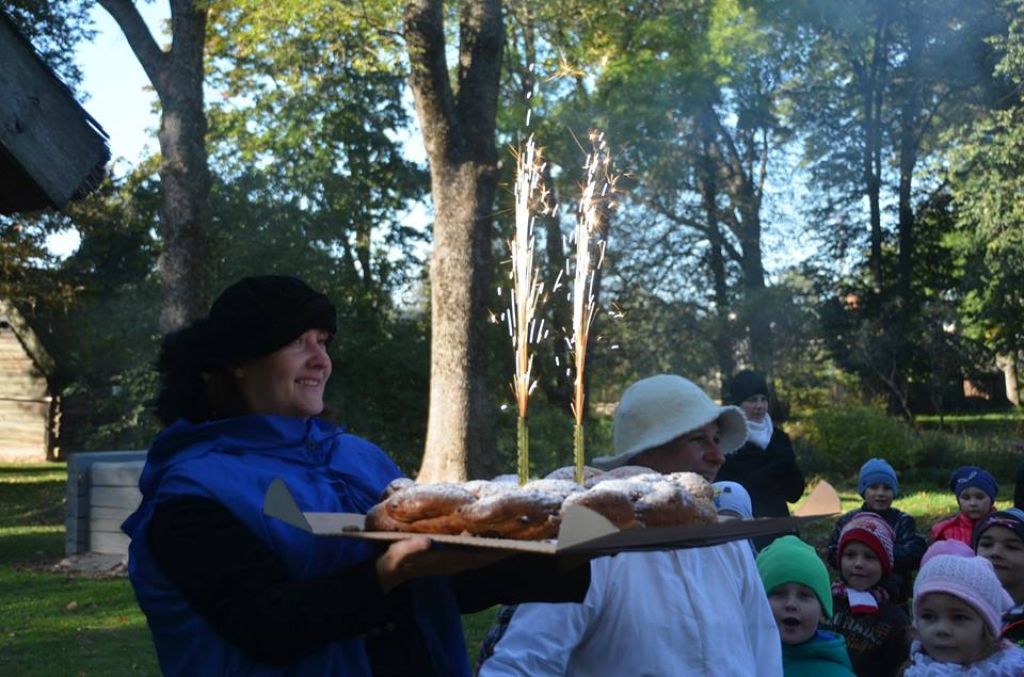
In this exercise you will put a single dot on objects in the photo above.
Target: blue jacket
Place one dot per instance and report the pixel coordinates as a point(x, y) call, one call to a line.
point(233, 461)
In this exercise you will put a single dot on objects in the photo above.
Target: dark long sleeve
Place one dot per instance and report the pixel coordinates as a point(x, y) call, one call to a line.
point(909, 546)
point(523, 578)
point(783, 468)
point(1018, 488)
point(236, 582)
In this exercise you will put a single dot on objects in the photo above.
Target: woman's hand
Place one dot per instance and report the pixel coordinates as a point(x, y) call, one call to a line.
point(420, 556)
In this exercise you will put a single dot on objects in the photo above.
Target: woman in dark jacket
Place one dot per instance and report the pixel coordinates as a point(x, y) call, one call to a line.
point(229, 591)
point(765, 465)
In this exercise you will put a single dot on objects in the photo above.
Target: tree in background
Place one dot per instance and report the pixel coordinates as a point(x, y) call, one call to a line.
point(458, 122)
point(987, 178)
point(177, 76)
point(310, 179)
point(875, 90)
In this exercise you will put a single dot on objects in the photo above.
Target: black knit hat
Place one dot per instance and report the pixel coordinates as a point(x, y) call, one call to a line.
point(743, 385)
point(252, 318)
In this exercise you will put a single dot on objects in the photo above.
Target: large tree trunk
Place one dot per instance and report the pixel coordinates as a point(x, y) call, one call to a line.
point(744, 191)
point(459, 135)
point(1008, 365)
point(908, 150)
point(177, 77)
point(723, 333)
point(870, 76)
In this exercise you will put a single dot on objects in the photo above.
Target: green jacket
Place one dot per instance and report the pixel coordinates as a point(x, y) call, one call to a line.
point(823, 655)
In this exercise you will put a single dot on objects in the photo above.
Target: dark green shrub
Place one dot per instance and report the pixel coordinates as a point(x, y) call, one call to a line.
point(835, 442)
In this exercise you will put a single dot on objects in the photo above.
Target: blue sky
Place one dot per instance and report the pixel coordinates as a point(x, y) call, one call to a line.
point(118, 91)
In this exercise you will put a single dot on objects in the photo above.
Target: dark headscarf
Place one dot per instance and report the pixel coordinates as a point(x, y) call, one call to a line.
point(1012, 519)
point(743, 385)
point(252, 318)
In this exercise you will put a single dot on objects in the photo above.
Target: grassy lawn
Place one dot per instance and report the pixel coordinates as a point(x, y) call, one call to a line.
point(54, 624)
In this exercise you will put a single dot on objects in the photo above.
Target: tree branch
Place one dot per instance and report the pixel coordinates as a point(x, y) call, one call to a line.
point(481, 42)
point(423, 27)
point(146, 49)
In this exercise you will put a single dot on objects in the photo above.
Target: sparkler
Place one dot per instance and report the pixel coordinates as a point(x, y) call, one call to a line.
point(589, 246)
point(526, 292)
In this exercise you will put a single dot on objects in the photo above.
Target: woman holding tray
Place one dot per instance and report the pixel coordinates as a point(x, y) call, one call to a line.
point(227, 590)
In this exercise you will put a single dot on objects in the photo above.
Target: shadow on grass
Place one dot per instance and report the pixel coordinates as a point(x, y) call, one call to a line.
point(42, 470)
point(31, 545)
point(32, 503)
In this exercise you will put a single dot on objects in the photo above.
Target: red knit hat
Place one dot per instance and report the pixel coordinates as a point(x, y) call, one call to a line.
point(874, 532)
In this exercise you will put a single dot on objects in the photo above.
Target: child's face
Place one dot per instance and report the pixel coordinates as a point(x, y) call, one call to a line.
point(860, 567)
point(951, 631)
point(797, 612)
point(974, 503)
point(878, 497)
point(1005, 550)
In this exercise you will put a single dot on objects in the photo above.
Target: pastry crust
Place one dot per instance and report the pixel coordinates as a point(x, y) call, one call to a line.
point(629, 497)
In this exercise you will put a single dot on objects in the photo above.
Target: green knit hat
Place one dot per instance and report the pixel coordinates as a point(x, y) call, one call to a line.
point(790, 560)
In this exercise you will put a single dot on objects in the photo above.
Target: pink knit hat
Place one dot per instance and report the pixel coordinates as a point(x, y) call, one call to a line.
point(971, 579)
point(947, 547)
point(874, 532)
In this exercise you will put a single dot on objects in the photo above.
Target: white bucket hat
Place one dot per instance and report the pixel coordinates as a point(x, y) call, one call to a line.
point(659, 409)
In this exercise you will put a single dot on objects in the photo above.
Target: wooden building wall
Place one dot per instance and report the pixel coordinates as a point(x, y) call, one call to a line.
point(24, 403)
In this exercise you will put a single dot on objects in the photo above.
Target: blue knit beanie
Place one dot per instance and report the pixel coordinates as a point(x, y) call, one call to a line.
point(972, 476)
point(877, 471)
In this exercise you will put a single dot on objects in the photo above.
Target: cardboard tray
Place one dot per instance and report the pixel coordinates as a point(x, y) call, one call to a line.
point(582, 531)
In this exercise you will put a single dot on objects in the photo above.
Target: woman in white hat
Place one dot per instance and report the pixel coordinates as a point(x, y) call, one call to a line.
point(698, 611)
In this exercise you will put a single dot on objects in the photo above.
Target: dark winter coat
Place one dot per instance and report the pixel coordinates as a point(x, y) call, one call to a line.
point(879, 644)
point(769, 475)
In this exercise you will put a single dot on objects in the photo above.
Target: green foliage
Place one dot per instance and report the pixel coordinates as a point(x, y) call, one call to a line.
point(103, 332)
point(835, 442)
point(381, 384)
point(54, 27)
point(843, 437)
point(987, 176)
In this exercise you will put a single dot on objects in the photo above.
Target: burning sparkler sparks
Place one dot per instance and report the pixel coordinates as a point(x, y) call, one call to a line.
point(526, 291)
point(590, 247)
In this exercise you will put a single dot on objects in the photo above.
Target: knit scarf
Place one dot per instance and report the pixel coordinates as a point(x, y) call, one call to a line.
point(861, 601)
point(760, 432)
point(1007, 661)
